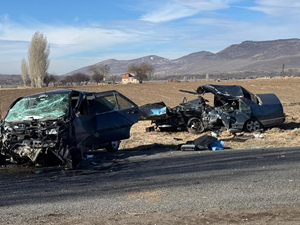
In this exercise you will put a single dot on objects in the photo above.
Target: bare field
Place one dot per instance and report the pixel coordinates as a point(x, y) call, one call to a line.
point(287, 89)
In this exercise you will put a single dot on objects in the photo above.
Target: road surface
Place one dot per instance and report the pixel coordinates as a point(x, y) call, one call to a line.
point(158, 186)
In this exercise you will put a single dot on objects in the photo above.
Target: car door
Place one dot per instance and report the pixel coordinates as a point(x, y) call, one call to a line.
point(115, 114)
point(240, 113)
point(269, 111)
point(84, 121)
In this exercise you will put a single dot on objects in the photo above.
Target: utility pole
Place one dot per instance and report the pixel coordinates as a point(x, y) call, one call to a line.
point(106, 69)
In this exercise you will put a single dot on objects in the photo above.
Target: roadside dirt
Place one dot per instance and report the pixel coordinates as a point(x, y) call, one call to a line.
point(276, 216)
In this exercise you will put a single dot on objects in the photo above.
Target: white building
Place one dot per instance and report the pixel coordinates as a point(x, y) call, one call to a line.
point(128, 78)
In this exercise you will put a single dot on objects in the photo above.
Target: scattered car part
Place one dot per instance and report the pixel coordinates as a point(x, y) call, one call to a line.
point(150, 129)
point(188, 147)
point(204, 141)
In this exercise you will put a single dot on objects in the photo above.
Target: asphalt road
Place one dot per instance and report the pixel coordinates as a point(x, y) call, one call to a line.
point(156, 180)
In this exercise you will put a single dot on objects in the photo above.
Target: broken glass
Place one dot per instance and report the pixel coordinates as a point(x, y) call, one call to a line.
point(46, 106)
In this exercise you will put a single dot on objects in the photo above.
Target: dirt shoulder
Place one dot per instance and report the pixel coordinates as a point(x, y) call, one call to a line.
point(288, 216)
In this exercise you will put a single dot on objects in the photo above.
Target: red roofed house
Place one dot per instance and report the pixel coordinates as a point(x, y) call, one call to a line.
point(128, 78)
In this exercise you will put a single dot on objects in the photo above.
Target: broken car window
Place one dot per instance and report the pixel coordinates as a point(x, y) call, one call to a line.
point(250, 96)
point(123, 103)
point(40, 107)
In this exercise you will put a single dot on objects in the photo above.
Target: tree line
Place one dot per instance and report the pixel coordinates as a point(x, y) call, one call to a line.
point(34, 73)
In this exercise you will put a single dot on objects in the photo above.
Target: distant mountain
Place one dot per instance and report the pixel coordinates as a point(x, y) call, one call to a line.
point(7, 80)
point(120, 66)
point(247, 56)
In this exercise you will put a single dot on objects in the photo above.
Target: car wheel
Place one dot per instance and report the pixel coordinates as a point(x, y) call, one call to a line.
point(252, 126)
point(195, 126)
point(113, 146)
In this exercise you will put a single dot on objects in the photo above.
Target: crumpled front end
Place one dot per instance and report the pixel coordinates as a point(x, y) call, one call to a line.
point(195, 116)
point(28, 140)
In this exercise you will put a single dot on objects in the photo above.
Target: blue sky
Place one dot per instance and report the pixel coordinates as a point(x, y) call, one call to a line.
point(84, 32)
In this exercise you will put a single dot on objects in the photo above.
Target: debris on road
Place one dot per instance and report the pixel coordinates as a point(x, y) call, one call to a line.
point(258, 135)
point(204, 142)
point(188, 147)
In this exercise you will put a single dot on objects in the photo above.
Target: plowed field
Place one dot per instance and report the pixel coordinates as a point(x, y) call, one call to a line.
point(287, 89)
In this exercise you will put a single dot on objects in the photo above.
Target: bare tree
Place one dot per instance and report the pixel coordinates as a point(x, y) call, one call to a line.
point(113, 79)
point(142, 71)
point(24, 73)
point(62, 81)
point(49, 78)
point(38, 54)
point(80, 78)
point(69, 80)
point(98, 73)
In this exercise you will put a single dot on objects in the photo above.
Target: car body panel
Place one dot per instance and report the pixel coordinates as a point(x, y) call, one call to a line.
point(269, 111)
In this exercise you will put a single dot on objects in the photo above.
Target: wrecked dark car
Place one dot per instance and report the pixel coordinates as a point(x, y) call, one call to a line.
point(234, 108)
point(60, 126)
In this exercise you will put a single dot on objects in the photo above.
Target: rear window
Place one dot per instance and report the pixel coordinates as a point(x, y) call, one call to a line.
point(252, 97)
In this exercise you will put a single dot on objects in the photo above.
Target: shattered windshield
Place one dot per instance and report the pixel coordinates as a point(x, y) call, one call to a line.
point(40, 107)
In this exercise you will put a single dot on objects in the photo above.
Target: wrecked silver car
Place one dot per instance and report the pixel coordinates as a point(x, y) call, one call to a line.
point(234, 108)
point(58, 127)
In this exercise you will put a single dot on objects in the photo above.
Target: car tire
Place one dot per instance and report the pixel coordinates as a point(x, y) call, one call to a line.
point(113, 146)
point(195, 126)
point(252, 126)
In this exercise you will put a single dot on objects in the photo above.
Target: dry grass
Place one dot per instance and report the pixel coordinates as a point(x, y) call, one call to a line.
point(286, 89)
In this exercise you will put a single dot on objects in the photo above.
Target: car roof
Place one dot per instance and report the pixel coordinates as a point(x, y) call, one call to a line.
point(58, 91)
point(230, 92)
point(67, 91)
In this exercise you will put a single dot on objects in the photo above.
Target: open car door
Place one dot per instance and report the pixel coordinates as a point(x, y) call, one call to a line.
point(115, 114)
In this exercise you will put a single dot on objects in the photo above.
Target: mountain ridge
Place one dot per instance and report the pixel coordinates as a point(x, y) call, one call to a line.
point(248, 55)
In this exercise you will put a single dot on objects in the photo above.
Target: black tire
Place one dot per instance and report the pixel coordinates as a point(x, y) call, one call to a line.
point(252, 126)
point(113, 146)
point(195, 126)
